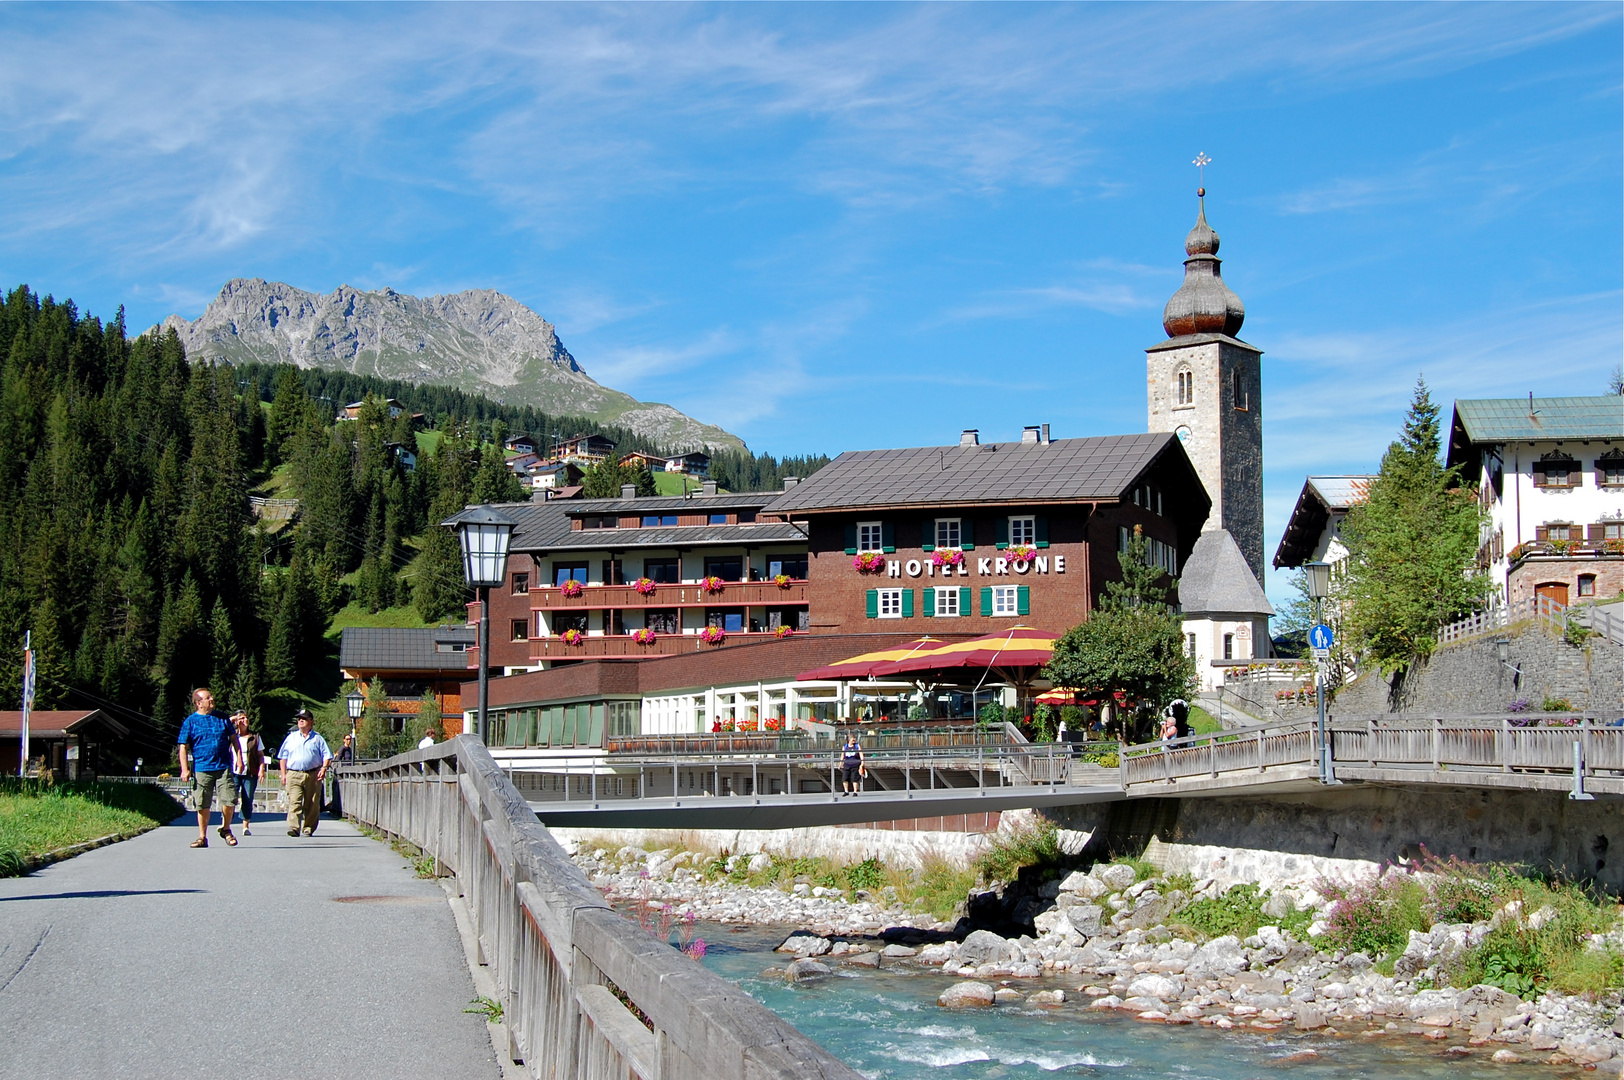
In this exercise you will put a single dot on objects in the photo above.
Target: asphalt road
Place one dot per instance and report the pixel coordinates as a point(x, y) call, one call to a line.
point(149, 959)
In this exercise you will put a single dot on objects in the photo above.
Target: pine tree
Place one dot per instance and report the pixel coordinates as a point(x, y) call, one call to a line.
point(430, 720)
point(440, 588)
point(222, 648)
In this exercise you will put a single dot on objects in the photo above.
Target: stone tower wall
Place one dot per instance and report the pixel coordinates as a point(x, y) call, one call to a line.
point(1225, 443)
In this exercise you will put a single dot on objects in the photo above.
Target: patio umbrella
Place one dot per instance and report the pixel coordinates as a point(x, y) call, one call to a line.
point(1014, 656)
point(858, 667)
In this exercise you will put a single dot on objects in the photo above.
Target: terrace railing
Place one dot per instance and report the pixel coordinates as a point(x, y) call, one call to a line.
point(569, 970)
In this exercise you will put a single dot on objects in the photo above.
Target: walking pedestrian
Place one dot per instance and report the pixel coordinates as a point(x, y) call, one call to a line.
point(207, 745)
point(251, 758)
point(851, 764)
point(345, 756)
point(302, 761)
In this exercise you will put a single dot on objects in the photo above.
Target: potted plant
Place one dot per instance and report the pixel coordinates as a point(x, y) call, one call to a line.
point(713, 635)
point(572, 637)
point(712, 584)
point(781, 580)
point(869, 562)
point(644, 586)
point(645, 636)
point(572, 588)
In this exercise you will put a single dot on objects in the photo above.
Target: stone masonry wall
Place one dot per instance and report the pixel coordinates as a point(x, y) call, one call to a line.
point(1467, 678)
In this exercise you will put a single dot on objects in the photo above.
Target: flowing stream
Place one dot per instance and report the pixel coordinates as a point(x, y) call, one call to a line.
point(887, 1024)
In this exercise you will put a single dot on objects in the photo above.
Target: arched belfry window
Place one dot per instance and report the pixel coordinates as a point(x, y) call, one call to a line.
point(1238, 384)
point(1186, 386)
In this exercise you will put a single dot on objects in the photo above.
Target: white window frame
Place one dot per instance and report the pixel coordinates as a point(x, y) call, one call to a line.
point(864, 529)
point(947, 596)
point(946, 527)
point(1023, 531)
point(890, 603)
point(1006, 601)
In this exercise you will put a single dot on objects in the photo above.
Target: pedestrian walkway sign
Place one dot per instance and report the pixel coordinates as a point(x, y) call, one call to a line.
point(1320, 639)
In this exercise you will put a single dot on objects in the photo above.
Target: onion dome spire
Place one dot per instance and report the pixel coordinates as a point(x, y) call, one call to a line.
point(1203, 304)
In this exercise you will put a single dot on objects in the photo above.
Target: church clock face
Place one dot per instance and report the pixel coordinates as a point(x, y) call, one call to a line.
point(1183, 432)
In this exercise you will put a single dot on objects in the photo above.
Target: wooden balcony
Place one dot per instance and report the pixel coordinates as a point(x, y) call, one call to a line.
point(733, 594)
point(622, 645)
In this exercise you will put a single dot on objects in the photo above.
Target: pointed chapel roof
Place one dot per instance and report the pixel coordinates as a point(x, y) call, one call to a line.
point(1217, 581)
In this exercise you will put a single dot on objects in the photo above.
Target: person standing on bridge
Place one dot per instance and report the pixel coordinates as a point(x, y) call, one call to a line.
point(302, 761)
point(209, 753)
point(851, 764)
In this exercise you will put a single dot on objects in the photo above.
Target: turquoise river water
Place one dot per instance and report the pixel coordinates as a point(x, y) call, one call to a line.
point(886, 1024)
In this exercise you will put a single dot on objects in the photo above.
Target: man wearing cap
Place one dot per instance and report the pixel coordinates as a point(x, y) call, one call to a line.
point(302, 761)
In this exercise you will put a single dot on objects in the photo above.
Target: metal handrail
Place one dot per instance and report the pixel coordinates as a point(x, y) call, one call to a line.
point(564, 963)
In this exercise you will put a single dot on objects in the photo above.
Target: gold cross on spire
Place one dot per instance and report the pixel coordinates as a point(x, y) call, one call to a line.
point(1201, 162)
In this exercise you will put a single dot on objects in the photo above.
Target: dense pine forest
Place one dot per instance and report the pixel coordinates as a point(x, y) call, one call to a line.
point(133, 553)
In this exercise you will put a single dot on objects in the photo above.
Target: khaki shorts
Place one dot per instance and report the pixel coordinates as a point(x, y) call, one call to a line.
point(204, 784)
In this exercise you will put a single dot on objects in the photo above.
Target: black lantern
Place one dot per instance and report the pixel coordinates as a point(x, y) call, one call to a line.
point(483, 532)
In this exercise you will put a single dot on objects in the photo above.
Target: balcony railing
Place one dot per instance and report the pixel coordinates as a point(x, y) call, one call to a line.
point(733, 594)
point(591, 648)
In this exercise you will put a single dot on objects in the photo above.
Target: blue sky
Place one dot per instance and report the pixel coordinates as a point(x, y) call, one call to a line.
point(837, 227)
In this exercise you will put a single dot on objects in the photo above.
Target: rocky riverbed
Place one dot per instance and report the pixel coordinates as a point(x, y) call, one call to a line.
point(1098, 939)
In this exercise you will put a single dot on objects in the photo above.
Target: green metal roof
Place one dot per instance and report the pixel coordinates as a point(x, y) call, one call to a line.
point(1501, 420)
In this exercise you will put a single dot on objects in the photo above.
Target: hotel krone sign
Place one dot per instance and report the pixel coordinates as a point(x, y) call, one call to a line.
point(989, 567)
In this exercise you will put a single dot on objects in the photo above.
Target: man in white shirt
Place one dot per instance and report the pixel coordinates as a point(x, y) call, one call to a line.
point(427, 740)
point(302, 761)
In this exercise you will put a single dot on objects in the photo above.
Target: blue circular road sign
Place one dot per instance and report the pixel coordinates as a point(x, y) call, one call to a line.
point(1320, 636)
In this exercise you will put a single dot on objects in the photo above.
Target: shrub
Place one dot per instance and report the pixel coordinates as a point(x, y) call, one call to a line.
point(1073, 717)
point(918, 712)
point(868, 874)
point(1038, 845)
point(1238, 911)
point(1376, 917)
point(1555, 704)
point(992, 714)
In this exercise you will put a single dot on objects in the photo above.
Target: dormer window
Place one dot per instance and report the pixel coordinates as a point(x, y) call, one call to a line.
point(1186, 386)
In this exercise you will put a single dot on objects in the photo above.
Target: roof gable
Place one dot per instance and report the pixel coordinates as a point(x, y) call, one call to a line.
point(1217, 581)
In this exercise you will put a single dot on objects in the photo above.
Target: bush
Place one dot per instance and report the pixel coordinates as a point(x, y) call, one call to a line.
point(1555, 704)
point(1074, 718)
point(1038, 845)
point(1240, 912)
point(1376, 917)
point(992, 714)
point(918, 712)
point(868, 874)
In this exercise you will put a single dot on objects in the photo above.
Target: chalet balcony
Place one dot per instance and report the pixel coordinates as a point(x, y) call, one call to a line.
point(623, 645)
point(1565, 549)
point(733, 594)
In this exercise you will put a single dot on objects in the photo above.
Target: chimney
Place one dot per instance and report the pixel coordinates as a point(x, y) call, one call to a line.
point(708, 488)
point(628, 491)
point(791, 481)
point(1045, 439)
point(1031, 434)
point(970, 437)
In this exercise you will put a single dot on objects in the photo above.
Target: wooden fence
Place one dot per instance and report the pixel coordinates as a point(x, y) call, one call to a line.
point(564, 963)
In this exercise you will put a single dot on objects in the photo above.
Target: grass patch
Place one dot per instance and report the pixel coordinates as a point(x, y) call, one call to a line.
point(1202, 722)
point(355, 614)
point(1037, 846)
point(671, 484)
point(1240, 912)
point(38, 818)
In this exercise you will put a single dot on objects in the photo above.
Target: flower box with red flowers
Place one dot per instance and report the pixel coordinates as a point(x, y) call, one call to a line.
point(783, 631)
point(644, 586)
point(781, 580)
point(572, 637)
point(947, 557)
point(712, 584)
point(869, 562)
point(572, 588)
point(644, 636)
point(1020, 553)
point(713, 635)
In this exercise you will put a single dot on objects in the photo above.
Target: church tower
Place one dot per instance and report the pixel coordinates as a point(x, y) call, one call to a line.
point(1206, 385)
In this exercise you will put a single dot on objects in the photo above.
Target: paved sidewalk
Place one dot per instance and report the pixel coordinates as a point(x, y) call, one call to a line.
point(149, 959)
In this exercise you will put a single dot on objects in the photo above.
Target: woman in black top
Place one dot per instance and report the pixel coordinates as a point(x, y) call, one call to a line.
point(851, 764)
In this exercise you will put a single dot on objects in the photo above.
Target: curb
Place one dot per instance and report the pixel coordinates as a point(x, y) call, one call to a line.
point(39, 862)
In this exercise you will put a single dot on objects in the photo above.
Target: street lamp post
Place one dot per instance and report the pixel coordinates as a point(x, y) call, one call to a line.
point(356, 703)
point(1317, 576)
point(483, 532)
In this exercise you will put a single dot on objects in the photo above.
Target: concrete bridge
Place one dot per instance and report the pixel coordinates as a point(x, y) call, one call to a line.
point(763, 786)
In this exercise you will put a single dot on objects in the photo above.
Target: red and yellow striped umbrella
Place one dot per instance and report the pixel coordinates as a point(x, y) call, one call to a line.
point(858, 667)
point(1017, 647)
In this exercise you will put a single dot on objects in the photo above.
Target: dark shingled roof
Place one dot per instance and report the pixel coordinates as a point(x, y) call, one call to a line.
point(697, 504)
point(668, 536)
point(365, 648)
point(1216, 580)
point(1065, 470)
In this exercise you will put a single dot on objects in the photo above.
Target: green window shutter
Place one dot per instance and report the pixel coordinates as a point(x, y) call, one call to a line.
point(930, 603)
point(964, 599)
point(888, 537)
point(927, 535)
point(907, 603)
point(851, 539)
point(1040, 531)
point(967, 535)
point(874, 603)
point(1002, 533)
point(1023, 600)
point(986, 600)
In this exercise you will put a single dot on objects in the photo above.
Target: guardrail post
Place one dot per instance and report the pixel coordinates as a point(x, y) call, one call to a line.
point(1436, 723)
point(1259, 749)
point(1503, 747)
point(1579, 794)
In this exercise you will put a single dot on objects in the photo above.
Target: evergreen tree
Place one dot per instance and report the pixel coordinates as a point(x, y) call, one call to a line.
point(440, 589)
point(1132, 645)
point(429, 720)
point(1411, 546)
point(223, 650)
point(604, 480)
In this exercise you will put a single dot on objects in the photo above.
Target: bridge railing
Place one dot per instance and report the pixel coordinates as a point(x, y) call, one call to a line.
point(569, 970)
point(1255, 749)
point(1531, 742)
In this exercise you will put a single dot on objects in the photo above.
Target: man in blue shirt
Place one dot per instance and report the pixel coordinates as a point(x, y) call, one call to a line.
point(303, 763)
point(209, 751)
